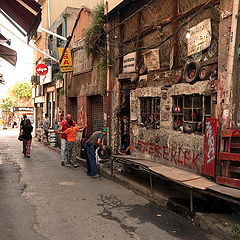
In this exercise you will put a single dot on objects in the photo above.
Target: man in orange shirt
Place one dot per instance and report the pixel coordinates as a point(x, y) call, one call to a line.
point(63, 126)
point(71, 143)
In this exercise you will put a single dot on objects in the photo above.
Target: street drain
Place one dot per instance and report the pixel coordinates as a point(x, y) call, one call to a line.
point(66, 183)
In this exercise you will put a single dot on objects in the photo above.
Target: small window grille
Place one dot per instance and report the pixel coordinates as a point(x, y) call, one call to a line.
point(150, 112)
point(190, 111)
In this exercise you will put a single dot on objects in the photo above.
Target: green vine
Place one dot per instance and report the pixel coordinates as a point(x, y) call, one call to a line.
point(58, 76)
point(102, 68)
point(94, 35)
point(95, 39)
point(61, 91)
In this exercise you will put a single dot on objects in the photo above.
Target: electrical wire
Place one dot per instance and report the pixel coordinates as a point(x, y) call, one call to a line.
point(172, 35)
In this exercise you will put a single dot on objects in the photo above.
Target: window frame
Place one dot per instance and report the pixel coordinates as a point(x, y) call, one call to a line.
point(194, 111)
point(151, 108)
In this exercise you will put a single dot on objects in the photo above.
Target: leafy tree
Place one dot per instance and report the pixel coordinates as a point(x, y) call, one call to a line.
point(6, 106)
point(21, 91)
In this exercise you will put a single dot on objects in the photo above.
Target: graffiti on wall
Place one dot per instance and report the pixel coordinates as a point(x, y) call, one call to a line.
point(176, 155)
point(210, 147)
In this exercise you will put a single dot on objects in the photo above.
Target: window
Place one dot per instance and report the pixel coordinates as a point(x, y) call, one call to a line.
point(190, 111)
point(60, 42)
point(150, 112)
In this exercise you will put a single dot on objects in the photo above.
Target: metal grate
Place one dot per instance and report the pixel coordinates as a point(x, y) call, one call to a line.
point(150, 112)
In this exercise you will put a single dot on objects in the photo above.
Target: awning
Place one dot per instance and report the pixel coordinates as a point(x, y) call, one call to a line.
point(26, 13)
point(2, 37)
point(8, 54)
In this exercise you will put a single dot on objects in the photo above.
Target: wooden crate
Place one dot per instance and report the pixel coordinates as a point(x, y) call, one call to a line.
point(229, 159)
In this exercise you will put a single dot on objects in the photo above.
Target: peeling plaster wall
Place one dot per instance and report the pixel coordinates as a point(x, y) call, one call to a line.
point(165, 145)
point(114, 127)
point(224, 41)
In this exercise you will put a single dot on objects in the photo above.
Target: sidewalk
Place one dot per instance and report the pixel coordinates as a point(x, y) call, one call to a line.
point(218, 216)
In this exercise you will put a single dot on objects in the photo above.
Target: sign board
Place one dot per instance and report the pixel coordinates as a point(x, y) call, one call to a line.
point(200, 37)
point(46, 78)
point(129, 62)
point(40, 99)
point(210, 147)
point(81, 61)
point(23, 109)
point(42, 69)
point(66, 63)
point(59, 83)
point(152, 59)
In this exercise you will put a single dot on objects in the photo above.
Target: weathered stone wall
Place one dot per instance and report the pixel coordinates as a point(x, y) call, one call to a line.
point(165, 145)
point(224, 41)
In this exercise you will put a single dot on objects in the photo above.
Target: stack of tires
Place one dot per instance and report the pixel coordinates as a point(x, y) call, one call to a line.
point(52, 137)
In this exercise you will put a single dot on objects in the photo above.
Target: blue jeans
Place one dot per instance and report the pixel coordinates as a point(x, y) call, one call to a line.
point(91, 159)
point(63, 149)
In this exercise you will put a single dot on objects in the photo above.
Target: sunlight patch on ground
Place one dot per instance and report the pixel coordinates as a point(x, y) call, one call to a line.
point(66, 183)
point(9, 132)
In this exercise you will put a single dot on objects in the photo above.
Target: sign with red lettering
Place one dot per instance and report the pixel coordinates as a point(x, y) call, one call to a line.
point(66, 63)
point(42, 69)
point(210, 147)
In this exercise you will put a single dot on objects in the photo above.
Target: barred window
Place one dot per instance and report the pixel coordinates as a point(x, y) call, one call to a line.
point(150, 112)
point(190, 111)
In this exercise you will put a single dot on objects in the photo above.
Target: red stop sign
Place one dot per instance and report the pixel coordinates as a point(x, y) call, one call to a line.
point(42, 69)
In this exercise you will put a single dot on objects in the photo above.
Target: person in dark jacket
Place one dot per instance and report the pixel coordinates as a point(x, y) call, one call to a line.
point(26, 133)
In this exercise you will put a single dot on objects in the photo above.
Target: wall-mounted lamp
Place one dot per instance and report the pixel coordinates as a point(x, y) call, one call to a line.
point(188, 34)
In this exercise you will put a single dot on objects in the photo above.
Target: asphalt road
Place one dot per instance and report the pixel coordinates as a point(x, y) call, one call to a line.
point(40, 199)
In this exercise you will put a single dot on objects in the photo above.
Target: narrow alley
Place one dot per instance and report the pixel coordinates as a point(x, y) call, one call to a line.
point(40, 199)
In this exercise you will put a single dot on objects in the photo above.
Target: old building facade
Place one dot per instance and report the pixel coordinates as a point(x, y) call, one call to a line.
point(168, 71)
point(170, 92)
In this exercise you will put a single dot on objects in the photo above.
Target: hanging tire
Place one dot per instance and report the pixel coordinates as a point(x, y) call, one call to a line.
point(190, 72)
point(104, 154)
point(189, 127)
point(204, 72)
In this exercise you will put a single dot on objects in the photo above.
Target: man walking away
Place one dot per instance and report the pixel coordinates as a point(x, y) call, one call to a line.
point(46, 125)
point(23, 122)
point(95, 141)
point(63, 126)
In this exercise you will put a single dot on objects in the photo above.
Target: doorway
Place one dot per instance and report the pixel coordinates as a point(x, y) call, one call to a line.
point(96, 112)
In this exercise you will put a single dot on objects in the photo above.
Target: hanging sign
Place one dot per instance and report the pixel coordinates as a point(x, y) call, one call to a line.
point(129, 62)
point(200, 37)
point(66, 64)
point(42, 69)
